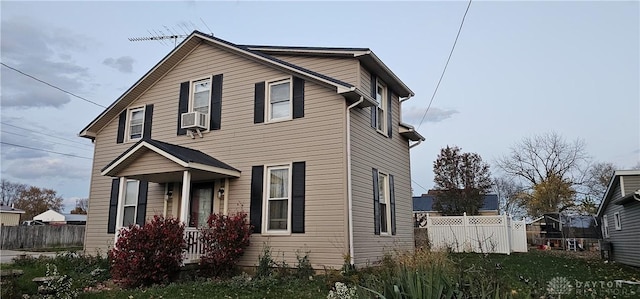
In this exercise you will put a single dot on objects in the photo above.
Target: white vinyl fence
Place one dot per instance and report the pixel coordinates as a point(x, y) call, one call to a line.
point(484, 234)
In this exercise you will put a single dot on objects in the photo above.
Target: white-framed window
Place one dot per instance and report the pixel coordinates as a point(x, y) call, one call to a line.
point(279, 99)
point(135, 123)
point(616, 220)
point(277, 209)
point(384, 203)
point(605, 226)
point(200, 96)
point(381, 109)
point(130, 202)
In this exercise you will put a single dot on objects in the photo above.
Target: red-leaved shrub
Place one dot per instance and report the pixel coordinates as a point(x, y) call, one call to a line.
point(149, 254)
point(224, 242)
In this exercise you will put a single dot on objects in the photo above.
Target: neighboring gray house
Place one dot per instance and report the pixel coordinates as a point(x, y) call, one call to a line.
point(619, 215)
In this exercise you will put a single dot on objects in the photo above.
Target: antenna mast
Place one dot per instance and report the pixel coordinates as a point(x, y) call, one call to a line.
point(159, 38)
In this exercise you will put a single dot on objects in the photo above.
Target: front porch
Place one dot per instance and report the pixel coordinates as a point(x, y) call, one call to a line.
point(195, 185)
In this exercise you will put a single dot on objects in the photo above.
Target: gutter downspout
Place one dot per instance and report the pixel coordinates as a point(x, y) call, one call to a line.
point(349, 191)
point(415, 144)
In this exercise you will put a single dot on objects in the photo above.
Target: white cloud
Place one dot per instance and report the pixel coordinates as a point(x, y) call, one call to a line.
point(123, 64)
point(414, 115)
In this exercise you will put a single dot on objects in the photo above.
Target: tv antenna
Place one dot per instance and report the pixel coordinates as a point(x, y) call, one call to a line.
point(161, 36)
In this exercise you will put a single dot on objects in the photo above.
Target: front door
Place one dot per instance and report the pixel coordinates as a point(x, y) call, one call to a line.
point(201, 204)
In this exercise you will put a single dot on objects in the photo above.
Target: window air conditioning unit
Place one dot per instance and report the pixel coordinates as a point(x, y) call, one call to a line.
point(193, 120)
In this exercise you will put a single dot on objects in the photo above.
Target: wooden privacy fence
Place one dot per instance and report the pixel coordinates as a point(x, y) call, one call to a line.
point(41, 236)
point(495, 234)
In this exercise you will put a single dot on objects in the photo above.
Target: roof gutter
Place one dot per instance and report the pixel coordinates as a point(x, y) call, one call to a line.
point(349, 191)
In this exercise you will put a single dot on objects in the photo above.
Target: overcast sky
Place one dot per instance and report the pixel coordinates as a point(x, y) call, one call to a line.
point(519, 69)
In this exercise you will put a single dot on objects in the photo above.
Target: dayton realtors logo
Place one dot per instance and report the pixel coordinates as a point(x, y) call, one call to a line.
point(593, 288)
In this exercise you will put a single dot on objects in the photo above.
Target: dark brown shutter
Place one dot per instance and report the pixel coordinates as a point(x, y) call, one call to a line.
point(389, 114)
point(392, 202)
point(374, 83)
point(298, 97)
point(148, 121)
point(297, 197)
point(255, 210)
point(122, 122)
point(216, 103)
point(183, 105)
point(141, 211)
point(258, 103)
point(376, 203)
point(113, 206)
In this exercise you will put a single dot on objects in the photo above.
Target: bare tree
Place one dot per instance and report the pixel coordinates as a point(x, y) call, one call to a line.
point(547, 161)
point(10, 192)
point(598, 179)
point(509, 195)
point(82, 206)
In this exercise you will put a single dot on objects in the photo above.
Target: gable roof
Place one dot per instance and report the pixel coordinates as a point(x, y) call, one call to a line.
point(350, 92)
point(183, 156)
point(424, 203)
point(364, 55)
point(611, 189)
point(11, 210)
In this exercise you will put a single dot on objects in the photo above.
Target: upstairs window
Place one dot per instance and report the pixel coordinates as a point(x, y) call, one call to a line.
point(605, 226)
point(279, 100)
point(618, 223)
point(201, 96)
point(381, 110)
point(136, 123)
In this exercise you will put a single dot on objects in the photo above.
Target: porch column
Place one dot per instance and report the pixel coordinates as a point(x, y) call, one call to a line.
point(184, 201)
point(226, 197)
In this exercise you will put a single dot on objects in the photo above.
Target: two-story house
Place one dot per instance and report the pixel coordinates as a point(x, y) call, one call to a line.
point(308, 141)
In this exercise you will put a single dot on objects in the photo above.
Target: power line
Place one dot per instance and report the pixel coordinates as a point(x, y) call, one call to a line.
point(56, 87)
point(44, 150)
point(423, 188)
point(446, 64)
point(18, 134)
point(34, 131)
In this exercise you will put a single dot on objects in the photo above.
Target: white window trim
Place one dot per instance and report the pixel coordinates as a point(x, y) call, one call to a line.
point(384, 107)
point(387, 202)
point(267, 98)
point(605, 226)
point(192, 91)
point(265, 200)
point(128, 124)
point(617, 220)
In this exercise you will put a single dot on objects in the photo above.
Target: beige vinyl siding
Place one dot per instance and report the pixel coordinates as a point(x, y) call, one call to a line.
point(317, 138)
point(343, 69)
point(365, 80)
point(9, 219)
point(150, 162)
point(371, 149)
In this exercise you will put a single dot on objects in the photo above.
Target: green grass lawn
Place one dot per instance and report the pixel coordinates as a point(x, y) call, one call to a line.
point(519, 275)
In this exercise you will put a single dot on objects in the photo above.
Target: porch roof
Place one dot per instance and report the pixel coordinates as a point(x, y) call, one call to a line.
point(174, 159)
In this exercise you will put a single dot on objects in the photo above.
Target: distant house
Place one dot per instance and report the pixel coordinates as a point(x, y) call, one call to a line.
point(554, 228)
point(423, 206)
point(53, 217)
point(10, 216)
point(619, 215)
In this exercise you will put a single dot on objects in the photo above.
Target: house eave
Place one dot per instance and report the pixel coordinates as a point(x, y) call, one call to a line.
point(409, 132)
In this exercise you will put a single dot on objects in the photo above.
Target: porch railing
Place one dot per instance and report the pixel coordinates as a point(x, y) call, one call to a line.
point(194, 246)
